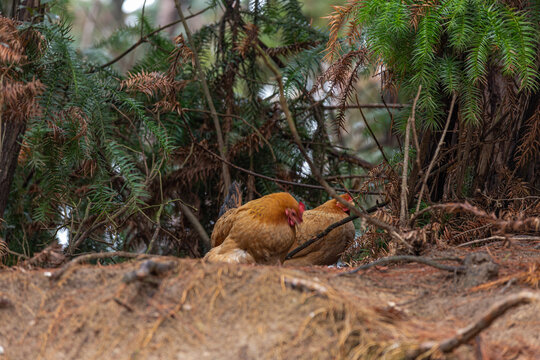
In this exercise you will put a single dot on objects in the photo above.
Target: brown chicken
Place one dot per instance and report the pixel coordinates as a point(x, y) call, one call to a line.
point(260, 231)
point(327, 250)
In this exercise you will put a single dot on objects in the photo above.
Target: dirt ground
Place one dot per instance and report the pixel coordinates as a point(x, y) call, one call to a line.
point(218, 311)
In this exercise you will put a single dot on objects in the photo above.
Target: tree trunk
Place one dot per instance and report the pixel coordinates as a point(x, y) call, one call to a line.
point(487, 158)
point(12, 130)
point(10, 136)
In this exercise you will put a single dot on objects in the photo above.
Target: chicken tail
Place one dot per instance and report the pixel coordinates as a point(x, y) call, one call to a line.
point(233, 198)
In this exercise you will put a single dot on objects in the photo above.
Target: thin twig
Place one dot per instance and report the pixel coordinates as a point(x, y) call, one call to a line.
point(328, 229)
point(14, 253)
point(209, 100)
point(279, 181)
point(373, 134)
point(404, 189)
point(417, 146)
point(78, 239)
point(145, 38)
point(156, 232)
point(387, 107)
point(244, 121)
point(89, 257)
point(320, 235)
point(339, 177)
point(406, 258)
point(467, 333)
point(432, 163)
point(343, 156)
point(365, 106)
point(142, 17)
point(331, 191)
point(206, 245)
point(500, 238)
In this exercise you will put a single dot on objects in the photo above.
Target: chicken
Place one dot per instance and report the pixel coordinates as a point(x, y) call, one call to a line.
point(260, 231)
point(327, 250)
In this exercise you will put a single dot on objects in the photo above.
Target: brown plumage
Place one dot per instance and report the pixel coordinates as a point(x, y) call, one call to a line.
point(260, 231)
point(327, 250)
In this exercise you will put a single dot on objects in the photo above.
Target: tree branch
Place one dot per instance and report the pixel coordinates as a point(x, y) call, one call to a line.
point(328, 229)
point(198, 227)
point(279, 181)
point(145, 38)
point(351, 159)
point(202, 79)
point(373, 134)
point(432, 163)
point(467, 333)
point(365, 106)
point(411, 119)
point(94, 256)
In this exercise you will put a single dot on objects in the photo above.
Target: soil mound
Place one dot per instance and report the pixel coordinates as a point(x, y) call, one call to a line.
point(196, 310)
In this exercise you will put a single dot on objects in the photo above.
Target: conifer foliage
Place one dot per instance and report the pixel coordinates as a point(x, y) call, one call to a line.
point(483, 52)
point(129, 161)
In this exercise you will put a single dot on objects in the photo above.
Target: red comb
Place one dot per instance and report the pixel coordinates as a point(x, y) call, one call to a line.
point(301, 206)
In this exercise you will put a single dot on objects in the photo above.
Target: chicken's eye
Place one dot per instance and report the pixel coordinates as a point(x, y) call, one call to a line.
point(293, 213)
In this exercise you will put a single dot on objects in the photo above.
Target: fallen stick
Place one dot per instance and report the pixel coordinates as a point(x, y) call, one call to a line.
point(407, 258)
point(467, 333)
point(148, 270)
point(84, 258)
point(305, 284)
point(328, 229)
point(500, 238)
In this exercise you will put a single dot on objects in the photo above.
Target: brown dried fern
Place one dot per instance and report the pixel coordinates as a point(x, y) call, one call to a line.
point(291, 49)
point(11, 43)
point(3, 248)
point(182, 53)
point(249, 40)
point(336, 21)
point(20, 99)
point(156, 84)
point(530, 146)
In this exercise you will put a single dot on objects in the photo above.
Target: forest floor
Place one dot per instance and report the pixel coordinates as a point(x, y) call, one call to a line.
point(219, 311)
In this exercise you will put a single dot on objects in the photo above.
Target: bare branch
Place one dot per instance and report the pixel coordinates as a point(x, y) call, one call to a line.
point(433, 159)
point(351, 159)
point(467, 333)
point(404, 190)
point(202, 79)
point(373, 134)
point(198, 227)
point(365, 106)
point(500, 238)
point(145, 38)
point(279, 181)
point(94, 256)
point(328, 229)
